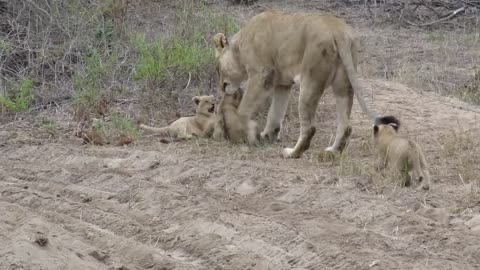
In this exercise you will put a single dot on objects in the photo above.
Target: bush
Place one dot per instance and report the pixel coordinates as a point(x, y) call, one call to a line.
point(22, 96)
point(72, 49)
point(89, 83)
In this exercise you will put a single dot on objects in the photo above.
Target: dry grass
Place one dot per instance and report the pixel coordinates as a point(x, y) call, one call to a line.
point(439, 61)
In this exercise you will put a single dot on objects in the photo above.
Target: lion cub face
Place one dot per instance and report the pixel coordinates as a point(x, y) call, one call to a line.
point(231, 100)
point(384, 130)
point(205, 105)
point(230, 72)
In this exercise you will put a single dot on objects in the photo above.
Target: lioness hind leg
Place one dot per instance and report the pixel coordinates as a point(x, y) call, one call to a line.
point(276, 113)
point(310, 93)
point(343, 92)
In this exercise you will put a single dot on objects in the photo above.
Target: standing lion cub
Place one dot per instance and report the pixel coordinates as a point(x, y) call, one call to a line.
point(201, 124)
point(399, 153)
point(228, 124)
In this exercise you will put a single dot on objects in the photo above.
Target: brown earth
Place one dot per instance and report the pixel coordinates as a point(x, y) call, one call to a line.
point(209, 205)
point(206, 205)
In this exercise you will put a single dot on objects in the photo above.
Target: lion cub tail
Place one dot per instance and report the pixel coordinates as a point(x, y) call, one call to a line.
point(155, 130)
point(345, 46)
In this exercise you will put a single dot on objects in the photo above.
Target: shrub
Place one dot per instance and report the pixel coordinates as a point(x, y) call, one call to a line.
point(22, 95)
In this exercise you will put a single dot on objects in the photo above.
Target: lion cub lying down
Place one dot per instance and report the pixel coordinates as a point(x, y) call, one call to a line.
point(400, 154)
point(228, 124)
point(201, 124)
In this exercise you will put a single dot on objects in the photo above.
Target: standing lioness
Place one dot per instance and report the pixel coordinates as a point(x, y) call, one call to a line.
point(313, 50)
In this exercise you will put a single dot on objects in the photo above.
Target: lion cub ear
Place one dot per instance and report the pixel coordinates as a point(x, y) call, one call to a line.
point(220, 41)
point(395, 126)
point(196, 100)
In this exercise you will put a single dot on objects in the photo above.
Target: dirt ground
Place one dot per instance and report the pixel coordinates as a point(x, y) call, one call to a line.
point(209, 205)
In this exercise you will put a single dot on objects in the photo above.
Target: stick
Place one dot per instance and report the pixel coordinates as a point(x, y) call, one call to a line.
point(437, 21)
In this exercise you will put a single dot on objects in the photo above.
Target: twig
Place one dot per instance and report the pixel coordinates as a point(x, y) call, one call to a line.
point(437, 21)
point(461, 178)
point(189, 78)
point(123, 101)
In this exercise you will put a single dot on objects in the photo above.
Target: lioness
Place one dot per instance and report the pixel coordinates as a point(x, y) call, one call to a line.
point(201, 124)
point(400, 154)
point(312, 50)
point(227, 124)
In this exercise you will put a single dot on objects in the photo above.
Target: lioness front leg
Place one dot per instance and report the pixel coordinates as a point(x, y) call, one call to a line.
point(310, 93)
point(255, 95)
point(277, 112)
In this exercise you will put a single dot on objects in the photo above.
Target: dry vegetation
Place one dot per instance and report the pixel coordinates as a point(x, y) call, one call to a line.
point(89, 69)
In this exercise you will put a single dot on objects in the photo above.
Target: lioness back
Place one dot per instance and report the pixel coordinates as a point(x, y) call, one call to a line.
point(289, 36)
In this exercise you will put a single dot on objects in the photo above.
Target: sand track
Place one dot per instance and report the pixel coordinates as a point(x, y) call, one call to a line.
point(185, 206)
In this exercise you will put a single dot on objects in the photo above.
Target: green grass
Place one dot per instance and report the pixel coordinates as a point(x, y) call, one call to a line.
point(187, 51)
point(21, 96)
point(124, 126)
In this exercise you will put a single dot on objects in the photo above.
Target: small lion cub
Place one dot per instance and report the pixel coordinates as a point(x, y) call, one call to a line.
point(228, 123)
point(399, 153)
point(201, 124)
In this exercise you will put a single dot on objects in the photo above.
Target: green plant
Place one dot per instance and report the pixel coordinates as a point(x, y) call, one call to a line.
point(150, 64)
point(5, 48)
point(182, 56)
point(88, 83)
point(186, 52)
point(49, 127)
point(22, 95)
point(124, 126)
point(104, 31)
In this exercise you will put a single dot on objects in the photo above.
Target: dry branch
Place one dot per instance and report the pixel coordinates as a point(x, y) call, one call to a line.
point(455, 12)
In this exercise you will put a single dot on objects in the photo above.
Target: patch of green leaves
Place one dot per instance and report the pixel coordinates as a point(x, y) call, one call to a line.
point(21, 97)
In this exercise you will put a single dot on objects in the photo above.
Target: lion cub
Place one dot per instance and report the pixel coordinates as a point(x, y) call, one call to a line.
point(399, 153)
point(228, 124)
point(201, 124)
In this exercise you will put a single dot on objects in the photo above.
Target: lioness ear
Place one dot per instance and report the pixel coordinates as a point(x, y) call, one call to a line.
point(196, 100)
point(375, 129)
point(220, 41)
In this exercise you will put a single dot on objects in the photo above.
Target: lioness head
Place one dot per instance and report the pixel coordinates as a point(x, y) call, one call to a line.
point(227, 63)
point(205, 104)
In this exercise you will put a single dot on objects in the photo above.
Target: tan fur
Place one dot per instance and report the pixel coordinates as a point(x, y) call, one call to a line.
point(400, 154)
point(201, 124)
point(313, 50)
point(228, 123)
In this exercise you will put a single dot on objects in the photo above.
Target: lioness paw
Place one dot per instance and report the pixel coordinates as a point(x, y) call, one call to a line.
point(270, 136)
point(289, 153)
point(424, 187)
point(330, 149)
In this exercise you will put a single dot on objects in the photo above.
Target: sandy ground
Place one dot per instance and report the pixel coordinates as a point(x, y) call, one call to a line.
point(209, 205)
point(206, 205)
